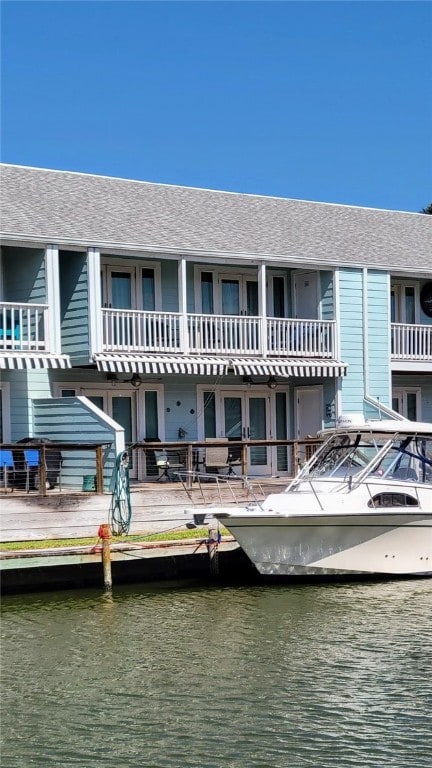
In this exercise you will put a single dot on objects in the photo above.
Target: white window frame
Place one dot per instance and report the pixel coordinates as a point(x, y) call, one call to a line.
point(109, 264)
point(399, 288)
point(241, 274)
point(401, 393)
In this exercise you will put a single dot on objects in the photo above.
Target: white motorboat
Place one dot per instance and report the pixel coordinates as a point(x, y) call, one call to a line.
point(361, 505)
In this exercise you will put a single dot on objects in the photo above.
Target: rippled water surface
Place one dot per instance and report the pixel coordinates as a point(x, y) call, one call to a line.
point(178, 676)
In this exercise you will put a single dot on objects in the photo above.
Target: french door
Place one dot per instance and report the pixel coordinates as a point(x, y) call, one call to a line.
point(246, 416)
point(238, 295)
point(121, 408)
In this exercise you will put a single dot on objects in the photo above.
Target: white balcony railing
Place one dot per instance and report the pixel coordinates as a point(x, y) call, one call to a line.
point(224, 334)
point(411, 342)
point(128, 330)
point(136, 331)
point(23, 327)
point(301, 338)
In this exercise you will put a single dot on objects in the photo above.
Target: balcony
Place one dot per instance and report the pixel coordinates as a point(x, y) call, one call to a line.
point(23, 327)
point(411, 343)
point(170, 332)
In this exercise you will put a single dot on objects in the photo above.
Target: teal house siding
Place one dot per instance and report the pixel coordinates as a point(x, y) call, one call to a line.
point(327, 295)
point(53, 419)
point(378, 384)
point(169, 278)
point(74, 302)
point(24, 275)
point(351, 338)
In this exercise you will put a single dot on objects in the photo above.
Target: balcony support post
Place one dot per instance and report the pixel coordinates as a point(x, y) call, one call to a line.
point(184, 336)
point(262, 308)
point(94, 300)
point(52, 335)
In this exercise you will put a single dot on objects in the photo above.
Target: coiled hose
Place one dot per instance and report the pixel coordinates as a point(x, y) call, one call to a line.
point(120, 511)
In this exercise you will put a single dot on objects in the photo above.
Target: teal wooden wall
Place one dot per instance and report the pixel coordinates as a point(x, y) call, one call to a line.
point(355, 345)
point(74, 306)
point(327, 295)
point(24, 275)
point(169, 280)
point(378, 309)
point(351, 338)
point(68, 419)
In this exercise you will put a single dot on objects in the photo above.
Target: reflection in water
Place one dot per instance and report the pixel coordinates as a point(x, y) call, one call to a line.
point(172, 676)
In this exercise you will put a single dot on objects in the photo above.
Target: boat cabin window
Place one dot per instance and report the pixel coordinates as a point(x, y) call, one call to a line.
point(409, 459)
point(345, 455)
point(402, 458)
point(388, 499)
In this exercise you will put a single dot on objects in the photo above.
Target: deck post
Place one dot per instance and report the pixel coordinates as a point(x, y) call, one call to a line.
point(99, 469)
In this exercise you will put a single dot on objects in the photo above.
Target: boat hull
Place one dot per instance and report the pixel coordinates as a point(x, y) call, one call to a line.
point(323, 544)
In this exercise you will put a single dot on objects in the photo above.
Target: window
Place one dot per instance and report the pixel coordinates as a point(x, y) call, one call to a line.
point(148, 290)
point(388, 499)
point(407, 402)
point(404, 303)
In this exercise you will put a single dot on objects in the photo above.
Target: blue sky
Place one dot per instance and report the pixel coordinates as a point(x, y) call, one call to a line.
point(328, 101)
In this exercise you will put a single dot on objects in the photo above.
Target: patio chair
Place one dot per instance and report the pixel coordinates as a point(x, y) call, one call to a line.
point(31, 464)
point(216, 455)
point(168, 461)
point(7, 466)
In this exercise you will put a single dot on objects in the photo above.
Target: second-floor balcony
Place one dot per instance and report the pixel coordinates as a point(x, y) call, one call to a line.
point(411, 342)
point(170, 332)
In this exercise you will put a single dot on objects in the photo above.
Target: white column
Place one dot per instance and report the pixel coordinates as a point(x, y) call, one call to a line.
point(184, 336)
point(262, 306)
point(94, 300)
point(52, 277)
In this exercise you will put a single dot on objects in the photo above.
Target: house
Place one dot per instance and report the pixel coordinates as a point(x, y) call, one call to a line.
point(135, 311)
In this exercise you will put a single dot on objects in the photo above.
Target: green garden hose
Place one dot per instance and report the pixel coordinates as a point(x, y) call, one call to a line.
point(120, 512)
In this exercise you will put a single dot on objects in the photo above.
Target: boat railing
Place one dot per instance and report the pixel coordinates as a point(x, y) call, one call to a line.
point(206, 489)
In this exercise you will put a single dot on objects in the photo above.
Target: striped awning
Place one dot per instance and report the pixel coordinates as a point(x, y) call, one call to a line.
point(28, 361)
point(288, 367)
point(209, 366)
point(157, 364)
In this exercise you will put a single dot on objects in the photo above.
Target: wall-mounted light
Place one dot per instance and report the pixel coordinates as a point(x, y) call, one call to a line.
point(272, 383)
point(181, 433)
point(112, 377)
point(136, 380)
point(247, 380)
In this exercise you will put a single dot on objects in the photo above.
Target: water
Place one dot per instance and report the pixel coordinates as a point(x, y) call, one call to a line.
point(181, 676)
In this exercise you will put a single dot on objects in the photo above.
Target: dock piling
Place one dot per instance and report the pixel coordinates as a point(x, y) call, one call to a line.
point(213, 547)
point(104, 534)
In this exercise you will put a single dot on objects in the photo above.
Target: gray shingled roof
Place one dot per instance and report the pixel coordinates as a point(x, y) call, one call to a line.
point(68, 208)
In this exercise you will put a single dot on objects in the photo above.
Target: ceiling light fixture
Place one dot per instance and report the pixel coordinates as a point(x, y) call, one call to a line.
point(136, 380)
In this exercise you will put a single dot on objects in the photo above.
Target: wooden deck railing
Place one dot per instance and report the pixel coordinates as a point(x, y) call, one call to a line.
point(48, 465)
point(190, 456)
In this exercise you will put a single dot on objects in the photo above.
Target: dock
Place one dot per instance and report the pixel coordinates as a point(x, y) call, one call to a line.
point(156, 508)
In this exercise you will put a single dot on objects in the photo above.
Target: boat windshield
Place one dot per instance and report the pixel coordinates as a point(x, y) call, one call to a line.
point(399, 457)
